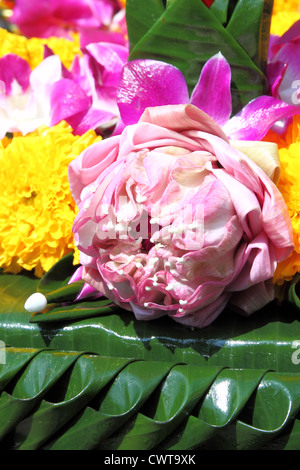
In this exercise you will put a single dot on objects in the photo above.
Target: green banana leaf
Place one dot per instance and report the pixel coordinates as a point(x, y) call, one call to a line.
point(111, 382)
point(85, 401)
point(187, 34)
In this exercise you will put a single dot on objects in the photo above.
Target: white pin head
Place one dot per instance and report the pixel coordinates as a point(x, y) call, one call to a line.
point(35, 303)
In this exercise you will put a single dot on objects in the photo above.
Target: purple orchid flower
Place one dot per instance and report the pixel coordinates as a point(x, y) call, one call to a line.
point(96, 75)
point(84, 96)
point(58, 18)
point(146, 83)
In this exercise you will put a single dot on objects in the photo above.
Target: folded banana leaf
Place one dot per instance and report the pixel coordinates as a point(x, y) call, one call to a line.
point(107, 381)
point(60, 400)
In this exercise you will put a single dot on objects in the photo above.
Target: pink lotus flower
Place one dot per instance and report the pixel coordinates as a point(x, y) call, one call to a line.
point(173, 220)
point(36, 18)
point(145, 83)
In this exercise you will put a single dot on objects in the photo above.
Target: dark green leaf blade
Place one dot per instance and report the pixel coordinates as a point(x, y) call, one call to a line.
point(250, 26)
point(140, 17)
point(220, 9)
point(58, 275)
point(187, 35)
point(75, 311)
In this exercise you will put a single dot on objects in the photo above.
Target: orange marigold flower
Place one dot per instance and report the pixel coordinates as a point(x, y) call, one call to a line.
point(36, 206)
point(289, 185)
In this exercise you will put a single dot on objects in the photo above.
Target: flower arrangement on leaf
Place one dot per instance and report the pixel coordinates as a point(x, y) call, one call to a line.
point(182, 161)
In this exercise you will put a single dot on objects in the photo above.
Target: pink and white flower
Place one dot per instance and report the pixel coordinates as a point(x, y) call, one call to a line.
point(176, 157)
point(84, 96)
point(25, 99)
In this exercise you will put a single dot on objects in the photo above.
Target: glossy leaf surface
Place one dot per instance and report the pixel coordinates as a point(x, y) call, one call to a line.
point(187, 34)
point(110, 382)
point(85, 401)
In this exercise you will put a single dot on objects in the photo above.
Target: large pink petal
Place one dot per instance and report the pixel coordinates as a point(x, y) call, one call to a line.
point(183, 118)
point(145, 83)
point(254, 298)
point(268, 212)
point(257, 117)
point(212, 93)
point(90, 164)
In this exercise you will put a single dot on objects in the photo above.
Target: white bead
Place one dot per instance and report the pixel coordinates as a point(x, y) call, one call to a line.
point(169, 287)
point(35, 303)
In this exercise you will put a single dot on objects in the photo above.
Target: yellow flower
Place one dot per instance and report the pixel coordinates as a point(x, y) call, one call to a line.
point(32, 49)
point(289, 185)
point(285, 13)
point(36, 206)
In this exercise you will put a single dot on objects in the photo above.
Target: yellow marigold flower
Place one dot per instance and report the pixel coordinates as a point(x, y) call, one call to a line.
point(285, 13)
point(289, 185)
point(32, 49)
point(36, 206)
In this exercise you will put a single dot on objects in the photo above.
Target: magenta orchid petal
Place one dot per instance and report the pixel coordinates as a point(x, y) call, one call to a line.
point(275, 73)
point(14, 71)
point(49, 53)
point(283, 65)
point(111, 59)
point(93, 119)
point(97, 73)
point(292, 34)
point(103, 10)
point(212, 93)
point(257, 117)
point(289, 54)
point(145, 83)
point(68, 102)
